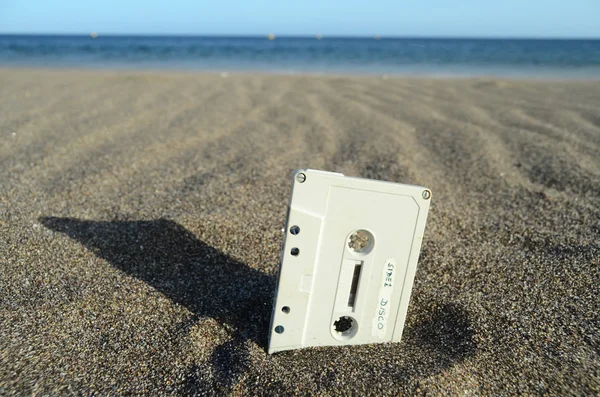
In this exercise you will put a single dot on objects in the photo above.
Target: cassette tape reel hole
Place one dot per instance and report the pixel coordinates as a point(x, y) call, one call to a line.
point(345, 328)
point(361, 241)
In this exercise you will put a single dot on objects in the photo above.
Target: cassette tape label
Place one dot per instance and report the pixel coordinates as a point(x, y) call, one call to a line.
point(384, 298)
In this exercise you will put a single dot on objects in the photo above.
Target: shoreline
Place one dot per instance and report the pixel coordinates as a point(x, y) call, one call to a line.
point(327, 74)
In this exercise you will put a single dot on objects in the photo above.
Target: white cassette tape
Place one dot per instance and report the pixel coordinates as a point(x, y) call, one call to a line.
point(349, 258)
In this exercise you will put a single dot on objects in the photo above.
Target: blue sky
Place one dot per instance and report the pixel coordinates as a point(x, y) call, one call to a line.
point(467, 18)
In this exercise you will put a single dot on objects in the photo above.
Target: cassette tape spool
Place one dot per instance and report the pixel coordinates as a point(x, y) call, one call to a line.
point(349, 258)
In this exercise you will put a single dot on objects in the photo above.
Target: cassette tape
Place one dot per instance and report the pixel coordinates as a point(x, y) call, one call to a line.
point(348, 262)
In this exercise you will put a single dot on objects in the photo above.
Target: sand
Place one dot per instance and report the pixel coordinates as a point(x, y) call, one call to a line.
point(141, 219)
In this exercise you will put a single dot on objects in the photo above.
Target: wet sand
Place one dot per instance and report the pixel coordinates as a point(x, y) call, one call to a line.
point(141, 219)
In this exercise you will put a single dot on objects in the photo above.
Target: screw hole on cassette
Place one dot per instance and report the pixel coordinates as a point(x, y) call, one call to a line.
point(295, 229)
point(285, 309)
point(294, 251)
point(279, 329)
point(301, 177)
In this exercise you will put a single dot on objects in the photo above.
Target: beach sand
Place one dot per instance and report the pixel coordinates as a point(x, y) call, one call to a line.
point(141, 219)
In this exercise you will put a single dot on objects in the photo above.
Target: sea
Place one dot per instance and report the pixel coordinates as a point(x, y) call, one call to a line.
point(528, 58)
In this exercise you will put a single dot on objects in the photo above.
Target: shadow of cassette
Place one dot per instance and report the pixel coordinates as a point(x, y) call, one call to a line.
point(189, 272)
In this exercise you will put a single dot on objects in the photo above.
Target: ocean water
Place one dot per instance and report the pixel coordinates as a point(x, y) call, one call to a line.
point(407, 56)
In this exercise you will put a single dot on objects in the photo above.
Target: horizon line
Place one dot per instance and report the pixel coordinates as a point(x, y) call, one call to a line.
point(299, 36)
